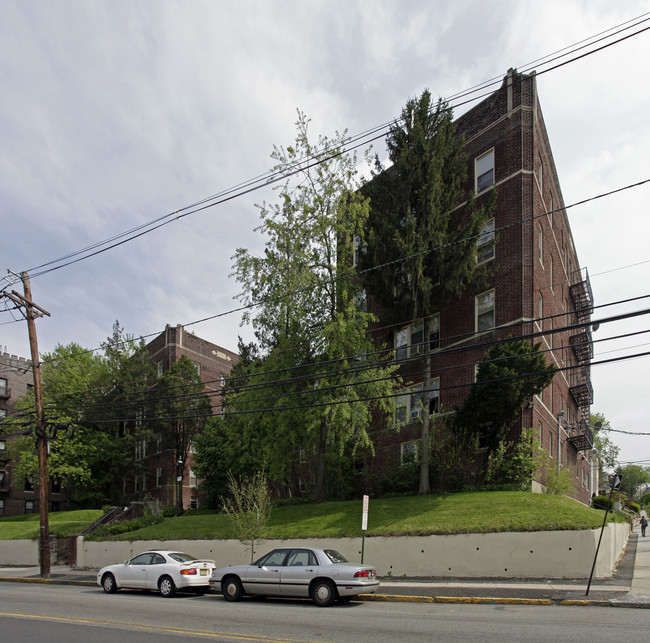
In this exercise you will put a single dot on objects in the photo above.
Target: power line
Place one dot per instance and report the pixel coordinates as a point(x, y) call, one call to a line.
point(269, 178)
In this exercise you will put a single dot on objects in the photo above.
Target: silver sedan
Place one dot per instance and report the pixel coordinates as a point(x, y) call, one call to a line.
point(323, 575)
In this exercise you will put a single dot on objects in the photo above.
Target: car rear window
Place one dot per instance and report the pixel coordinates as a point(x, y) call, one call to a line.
point(334, 556)
point(182, 558)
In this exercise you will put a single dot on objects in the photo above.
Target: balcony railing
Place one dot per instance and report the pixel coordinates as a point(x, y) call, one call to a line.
point(581, 438)
point(582, 295)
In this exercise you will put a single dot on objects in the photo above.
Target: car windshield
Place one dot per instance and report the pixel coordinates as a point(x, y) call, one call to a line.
point(334, 556)
point(182, 558)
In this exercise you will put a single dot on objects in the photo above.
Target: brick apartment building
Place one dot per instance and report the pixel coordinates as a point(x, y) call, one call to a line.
point(156, 463)
point(538, 288)
point(160, 470)
point(19, 496)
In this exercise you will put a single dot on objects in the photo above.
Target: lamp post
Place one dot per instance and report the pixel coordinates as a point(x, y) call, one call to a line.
point(179, 485)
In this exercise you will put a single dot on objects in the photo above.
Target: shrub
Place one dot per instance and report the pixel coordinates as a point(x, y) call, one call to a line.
point(602, 502)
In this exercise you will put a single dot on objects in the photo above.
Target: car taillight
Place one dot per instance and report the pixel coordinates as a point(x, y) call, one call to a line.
point(188, 572)
point(363, 573)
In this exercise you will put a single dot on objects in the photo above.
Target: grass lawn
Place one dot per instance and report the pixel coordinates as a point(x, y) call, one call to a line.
point(473, 512)
point(459, 513)
point(62, 523)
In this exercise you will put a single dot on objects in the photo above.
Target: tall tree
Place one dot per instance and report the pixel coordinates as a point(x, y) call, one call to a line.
point(421, 244)
point(92, 403)
point(607, 450)
point(313, 338)
point(182, 408)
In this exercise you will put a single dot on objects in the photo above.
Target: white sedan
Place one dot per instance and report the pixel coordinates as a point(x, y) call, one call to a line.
point(165, 571)
point(323, 575)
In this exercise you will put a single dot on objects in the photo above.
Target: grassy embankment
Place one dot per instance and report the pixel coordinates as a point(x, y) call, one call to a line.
point(478, 512)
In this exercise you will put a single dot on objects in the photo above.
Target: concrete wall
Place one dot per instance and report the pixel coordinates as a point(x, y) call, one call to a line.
point(556, 554)
point(553, 554)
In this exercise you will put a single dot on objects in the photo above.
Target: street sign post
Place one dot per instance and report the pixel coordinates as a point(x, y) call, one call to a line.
point(615, 482)
point(364, 524)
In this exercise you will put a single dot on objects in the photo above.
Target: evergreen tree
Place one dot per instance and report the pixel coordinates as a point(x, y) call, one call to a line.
point(423, 229)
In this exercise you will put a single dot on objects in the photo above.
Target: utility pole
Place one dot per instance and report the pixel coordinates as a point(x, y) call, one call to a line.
point(31, 312)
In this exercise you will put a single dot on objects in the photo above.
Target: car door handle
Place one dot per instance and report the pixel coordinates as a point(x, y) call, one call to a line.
point(277, 571)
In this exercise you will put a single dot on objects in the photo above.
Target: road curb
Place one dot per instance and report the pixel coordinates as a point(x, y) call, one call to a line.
point(493, 600)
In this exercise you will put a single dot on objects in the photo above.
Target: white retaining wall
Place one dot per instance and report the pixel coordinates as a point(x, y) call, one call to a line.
point(553, 554)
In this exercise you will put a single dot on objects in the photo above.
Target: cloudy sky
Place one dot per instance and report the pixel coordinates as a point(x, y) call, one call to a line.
point(116, 113)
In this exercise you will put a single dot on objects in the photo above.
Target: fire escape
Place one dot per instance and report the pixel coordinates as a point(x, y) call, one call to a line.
point(581, 437)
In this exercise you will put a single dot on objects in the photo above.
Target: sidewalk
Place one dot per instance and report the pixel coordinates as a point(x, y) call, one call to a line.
point(628, 587)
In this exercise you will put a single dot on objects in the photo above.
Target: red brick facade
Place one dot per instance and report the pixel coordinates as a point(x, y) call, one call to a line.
point(537, 287)
point(19, 496)
point(214, 364)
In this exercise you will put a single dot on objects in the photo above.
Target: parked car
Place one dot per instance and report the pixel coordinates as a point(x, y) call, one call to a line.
point(323, 575)
point(165, 571)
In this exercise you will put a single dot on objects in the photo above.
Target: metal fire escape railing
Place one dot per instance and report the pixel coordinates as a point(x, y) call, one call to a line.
point(582, 343)
point(582, 437)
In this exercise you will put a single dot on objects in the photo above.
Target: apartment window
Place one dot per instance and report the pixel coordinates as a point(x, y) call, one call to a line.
point(3, 414)
point(409, 341)
point(160, 368)
point(141, 449)
point(2, 507)
point(434, 396)
point(485, 248)
point(29, 484)
point(361, 301)
point(357, 250)
point(540, 243)
point(540, 173)
point(3, 386)
point(409, 452)
point(56, 486)
point(485, 311)
point(540, 310)
point(197, 366)
point(484, 434)
point(159, 442)
point(194, 502)
point(136, 483)
point(144, 481)
point(3, 445)
point(408, 405)
point(3, 479)
point(550, 272)
point(193, 480)
point(434, 332)
point(484, 171)
point(159, 477)
point(223, 380)
point(29, 506)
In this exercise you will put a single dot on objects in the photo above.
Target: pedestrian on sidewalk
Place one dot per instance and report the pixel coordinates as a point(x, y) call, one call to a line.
point(644, 524)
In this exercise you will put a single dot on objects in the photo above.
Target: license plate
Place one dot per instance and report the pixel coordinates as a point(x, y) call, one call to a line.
point(204, 572)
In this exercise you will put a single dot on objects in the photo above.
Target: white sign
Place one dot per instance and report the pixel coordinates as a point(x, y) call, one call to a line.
point(364, 519)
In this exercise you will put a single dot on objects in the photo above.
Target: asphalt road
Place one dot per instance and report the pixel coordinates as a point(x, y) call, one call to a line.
point(71, 613)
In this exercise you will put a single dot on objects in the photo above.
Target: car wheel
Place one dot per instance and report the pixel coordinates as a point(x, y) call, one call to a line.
point(232, 588)
point(167, 587)
point(323, 592)
point(109, 584)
